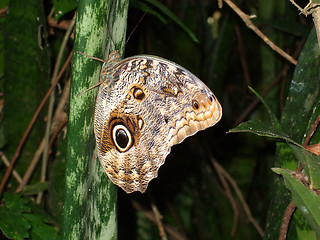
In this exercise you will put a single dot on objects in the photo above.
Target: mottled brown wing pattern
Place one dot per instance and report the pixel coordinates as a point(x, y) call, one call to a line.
point(144, 106)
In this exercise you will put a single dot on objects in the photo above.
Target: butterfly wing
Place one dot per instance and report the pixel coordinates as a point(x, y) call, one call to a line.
point(146, 105)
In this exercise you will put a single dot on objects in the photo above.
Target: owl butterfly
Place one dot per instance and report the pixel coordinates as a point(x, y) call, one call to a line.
point(144, 106)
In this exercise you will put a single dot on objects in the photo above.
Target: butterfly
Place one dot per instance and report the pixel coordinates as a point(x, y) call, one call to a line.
point(145, 105)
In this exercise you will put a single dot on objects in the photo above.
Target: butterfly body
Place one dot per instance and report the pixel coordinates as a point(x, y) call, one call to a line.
point(144, 106)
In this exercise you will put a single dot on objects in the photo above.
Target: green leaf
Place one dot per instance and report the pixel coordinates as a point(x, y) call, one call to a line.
point(304, 93)
point(40, 230)
point(16, 202)
point(299, 114)
point(35, 188)
point(303, 197)
point(274, 121)
point(13, 224)
point(16, 223)
point(145, 7)
point(62, 7)
point(310, 163)
point(174, 18)
point(40, 212)
point(262, 129)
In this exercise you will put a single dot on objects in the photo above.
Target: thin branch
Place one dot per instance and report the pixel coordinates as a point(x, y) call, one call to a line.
point(243, 57)
point(3, 11)
point(238, 192)
point(313, 9)
point(7, 163)
point(150, 215)
point(256, 101)
point(51, 106)
point(64, 24)
point(314, 127)
point(281, 75)
point(59, 120)
point(229, 196)
point(36, 114)
point(37, 157)
point(180, 226)
point(250, 25)
point(308, 9)
point(286, 221)
point(158, 216)
point(32, 166)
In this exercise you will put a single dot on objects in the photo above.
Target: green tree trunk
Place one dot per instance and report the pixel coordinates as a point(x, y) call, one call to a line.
point(90, 197)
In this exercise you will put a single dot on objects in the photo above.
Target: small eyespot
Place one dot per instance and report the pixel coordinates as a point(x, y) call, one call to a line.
point(195, 104)
point(210, 98)
point(138, 93)
point(122, 138)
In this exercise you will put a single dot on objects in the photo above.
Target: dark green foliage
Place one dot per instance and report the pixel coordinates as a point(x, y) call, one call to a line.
point(64, 7)
point(294, 127)
point(195, 198)
point(21, 219)
point(26, 76)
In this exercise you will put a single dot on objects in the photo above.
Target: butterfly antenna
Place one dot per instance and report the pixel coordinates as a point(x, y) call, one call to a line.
point(136, 26)
point(114, 46)
point(93, 86)
point(94, 58)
